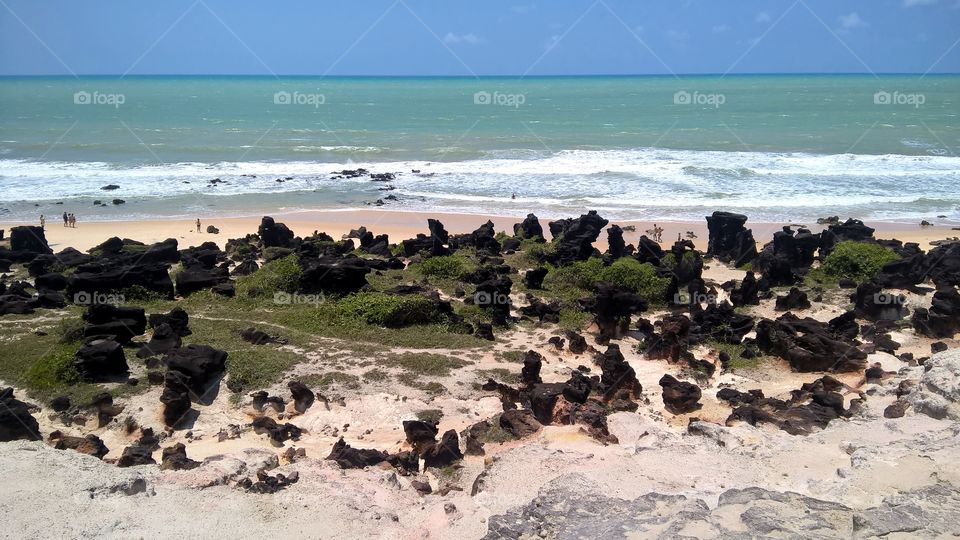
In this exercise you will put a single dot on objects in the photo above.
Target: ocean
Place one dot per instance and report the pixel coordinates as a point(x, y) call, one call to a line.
point(775, 147)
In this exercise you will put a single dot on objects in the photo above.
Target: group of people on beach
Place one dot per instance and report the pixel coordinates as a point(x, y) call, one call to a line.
point(657, 233)
point(69, 220)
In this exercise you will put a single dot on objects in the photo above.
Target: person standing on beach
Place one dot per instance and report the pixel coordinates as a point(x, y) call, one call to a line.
point(43, 223)
point(198, 224)
point(64, 219)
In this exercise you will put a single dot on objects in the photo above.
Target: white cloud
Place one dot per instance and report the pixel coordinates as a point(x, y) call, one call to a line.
point(914, 3)
point(720, 28)
point(453, 39)
point(763, 17)
point(851, 21)
point(678, 35)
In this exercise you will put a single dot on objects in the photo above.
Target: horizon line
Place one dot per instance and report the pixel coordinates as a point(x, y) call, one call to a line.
point(519, 76)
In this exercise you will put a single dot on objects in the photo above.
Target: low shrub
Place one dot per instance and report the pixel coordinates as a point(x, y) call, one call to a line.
point(281, 275)
point(859, 261)
point(54, 369)
point(625, 273)
point(389, 310)
point(449, 267)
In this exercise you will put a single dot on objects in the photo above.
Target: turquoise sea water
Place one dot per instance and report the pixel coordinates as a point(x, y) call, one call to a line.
point(774, 147)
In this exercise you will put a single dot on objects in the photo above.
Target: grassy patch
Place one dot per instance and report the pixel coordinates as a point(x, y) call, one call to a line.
point(514, 357)
point(390, 310)
point(280, 275)
point(450, 267)
point(250, 370)
point(859, 261)
point(376, 375)
point(496, 434)
point(577, 280)
point(428, 364)
point(430, 415)
point(499, 374)
point(331, 380)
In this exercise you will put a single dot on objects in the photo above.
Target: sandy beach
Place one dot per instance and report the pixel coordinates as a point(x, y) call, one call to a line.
point(403, 225)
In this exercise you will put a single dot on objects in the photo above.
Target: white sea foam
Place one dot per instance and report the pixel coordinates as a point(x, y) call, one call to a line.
point(636, 178)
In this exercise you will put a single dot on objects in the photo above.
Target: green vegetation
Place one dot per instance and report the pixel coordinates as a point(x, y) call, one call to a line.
point(496, 434)
point(331, 380)
point(577, 280)
point(430, 415)
point(280, 275)
point(450, 267)
point(428, 364)
point(376, 375)
point(859, 261)
point(54, 370)
point(392, 311)
point(499, 374)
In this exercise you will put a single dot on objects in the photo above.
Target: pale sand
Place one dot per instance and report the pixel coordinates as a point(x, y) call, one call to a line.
point(403, 225)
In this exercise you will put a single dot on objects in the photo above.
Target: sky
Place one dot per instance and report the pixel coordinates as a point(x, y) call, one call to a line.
point(469, 38)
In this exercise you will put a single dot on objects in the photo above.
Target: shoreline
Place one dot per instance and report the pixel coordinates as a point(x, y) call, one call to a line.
point(400, 225)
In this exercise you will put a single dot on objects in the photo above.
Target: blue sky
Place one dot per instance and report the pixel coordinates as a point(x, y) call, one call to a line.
point(458, 37)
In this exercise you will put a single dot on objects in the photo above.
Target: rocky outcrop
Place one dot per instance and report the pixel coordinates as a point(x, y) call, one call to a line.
point(273, 234)
point(729, 240)
point(100, 360)
point(16, 422)
point(574, 238)
point(529, 229)
point(942, 320)
point(809, 345)
point(680, 397)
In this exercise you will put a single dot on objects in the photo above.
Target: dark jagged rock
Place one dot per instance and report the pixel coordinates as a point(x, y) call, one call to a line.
point(942, 320)
point(174, 458)
point(616, 247)
point(612, 309)
point(748, 294)
point(331, 275)
point(106, 410)
point(274, 234)
point(120, 323)
point(60, 403)
point(808, 345)
point(574, 238)
point(519, 423)
point(202, 364)
point(680, 397)
point(494, 295)
point(530, 374)
point(444, 453)
point(279, 433)
point(720, 322)
point(162, 341)
point(175, 397)
point(578, 344)
point(795, 299)
point(942, 265)
point(262, 400)
point(106, 276)
point(29, 239)
point(135, 455)
point(303, 397)
point(852, 229)
point(348, 457)
point(729, 240)
point(484, 331)
point(617, 374)
point(420, 433)
point(177, 319)
point(90, 445)
point(557, 342)
point(197, 278)
point(245, 268)
point(811, 407)
point(533, 279)
point(101, 359)
point(673, 340)
point(872, 303)
point(543, 312)
point(257, 337)
point(51, 281)
point(16, 422)
point(529, 229)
